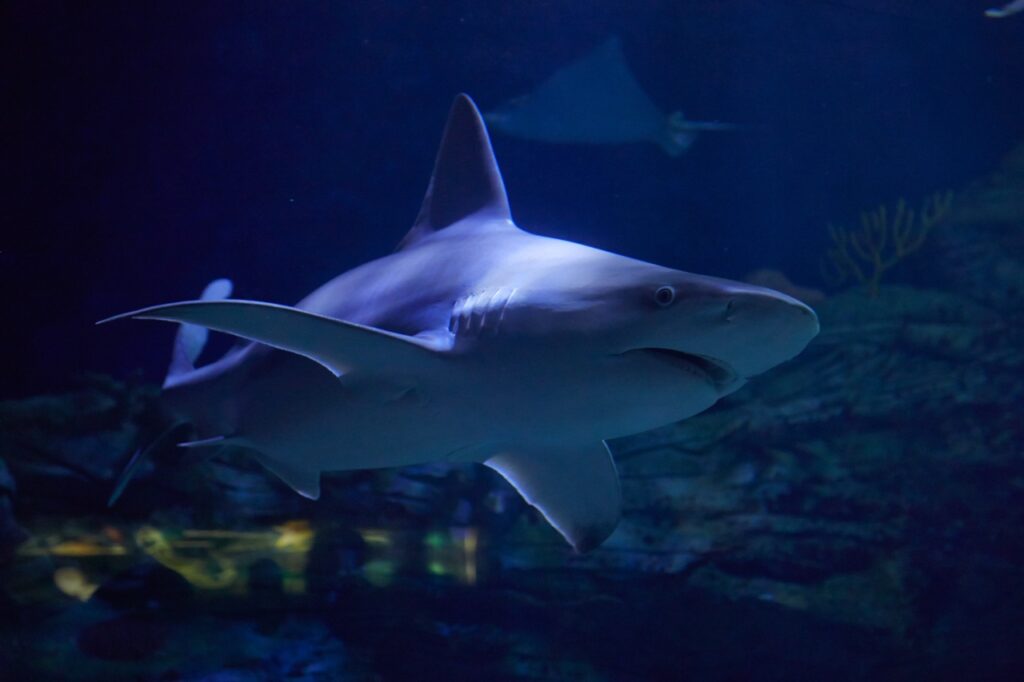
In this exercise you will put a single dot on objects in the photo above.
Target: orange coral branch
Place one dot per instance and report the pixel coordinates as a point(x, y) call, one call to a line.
point(882, 241)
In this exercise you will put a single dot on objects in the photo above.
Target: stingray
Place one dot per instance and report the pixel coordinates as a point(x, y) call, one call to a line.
point(597, 100)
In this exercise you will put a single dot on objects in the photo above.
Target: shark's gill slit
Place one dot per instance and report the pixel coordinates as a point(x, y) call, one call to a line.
point(730, 310)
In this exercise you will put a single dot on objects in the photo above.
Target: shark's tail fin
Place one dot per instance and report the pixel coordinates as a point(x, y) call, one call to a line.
point(191, 338)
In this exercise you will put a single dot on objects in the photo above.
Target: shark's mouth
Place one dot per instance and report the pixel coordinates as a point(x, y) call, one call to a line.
point(717, 372)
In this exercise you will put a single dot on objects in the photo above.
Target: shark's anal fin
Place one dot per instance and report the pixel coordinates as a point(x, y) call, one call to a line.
point(305, 482)
point(337, 345)
point(575, 488)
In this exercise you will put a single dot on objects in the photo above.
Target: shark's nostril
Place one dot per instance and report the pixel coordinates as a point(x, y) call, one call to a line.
point(806, 312)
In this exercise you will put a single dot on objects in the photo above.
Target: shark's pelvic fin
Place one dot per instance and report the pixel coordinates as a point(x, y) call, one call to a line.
point(576, 489)
point(466, 179)
point(303, 481)
point(337, 345)
point(191, 339)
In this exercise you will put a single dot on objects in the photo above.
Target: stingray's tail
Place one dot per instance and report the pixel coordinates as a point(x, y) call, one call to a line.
point(680, 133)
point(191, 338)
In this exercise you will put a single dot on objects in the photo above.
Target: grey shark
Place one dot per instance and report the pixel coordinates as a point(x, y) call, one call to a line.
point(476, 341)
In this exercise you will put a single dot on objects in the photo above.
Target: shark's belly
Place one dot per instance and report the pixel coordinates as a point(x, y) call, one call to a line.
point(298, 412)
point(558, 397)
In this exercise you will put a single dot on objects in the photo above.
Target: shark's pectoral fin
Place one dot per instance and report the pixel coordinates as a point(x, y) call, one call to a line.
point(575, 488)
point(305, 482)
point(337, 345)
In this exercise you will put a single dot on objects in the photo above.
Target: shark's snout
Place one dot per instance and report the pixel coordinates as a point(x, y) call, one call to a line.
point(768, 328)
point(743, 328)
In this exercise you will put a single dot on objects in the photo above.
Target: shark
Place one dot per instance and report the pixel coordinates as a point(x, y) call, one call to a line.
point(475, 341)
point(597, 100)
point(1005, 11)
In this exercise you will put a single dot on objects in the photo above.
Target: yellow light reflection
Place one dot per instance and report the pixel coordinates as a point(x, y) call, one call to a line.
point(81, 548)
point(210, 573)
point(72, 582)
point(375, 537)
point(294, 536)
point(210, 559)
point(470, 542)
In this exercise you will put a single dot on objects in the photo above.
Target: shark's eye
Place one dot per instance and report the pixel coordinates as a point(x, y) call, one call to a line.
point(665, 296)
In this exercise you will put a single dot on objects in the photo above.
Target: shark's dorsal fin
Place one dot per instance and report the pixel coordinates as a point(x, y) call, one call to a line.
point(466, 180)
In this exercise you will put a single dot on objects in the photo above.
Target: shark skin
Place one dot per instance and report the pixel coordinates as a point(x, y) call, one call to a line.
point(477, 341)
point(1005, 11)
point(597, 100)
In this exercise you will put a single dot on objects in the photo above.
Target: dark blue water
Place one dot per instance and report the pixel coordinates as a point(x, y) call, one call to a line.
point(154, 148)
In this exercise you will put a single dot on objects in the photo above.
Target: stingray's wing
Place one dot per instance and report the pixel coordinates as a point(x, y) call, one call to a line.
point(594, 100)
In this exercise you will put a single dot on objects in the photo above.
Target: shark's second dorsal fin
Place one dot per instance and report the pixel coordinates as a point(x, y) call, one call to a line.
point(466, 179)
point(191, 339)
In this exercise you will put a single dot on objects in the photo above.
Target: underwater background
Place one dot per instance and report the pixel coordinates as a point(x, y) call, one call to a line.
point(857, 513)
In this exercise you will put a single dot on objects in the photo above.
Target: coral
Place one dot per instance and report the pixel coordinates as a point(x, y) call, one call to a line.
point(883, 240)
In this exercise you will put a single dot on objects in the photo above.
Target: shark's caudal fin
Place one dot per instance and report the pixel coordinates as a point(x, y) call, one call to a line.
point(466, 180)
point(165, 440)
point(337, 345)
point(576, 489)
point(191, 338)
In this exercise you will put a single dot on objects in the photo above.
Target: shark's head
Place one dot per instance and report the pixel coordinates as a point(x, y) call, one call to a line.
point(718, 330)
point(729, 330)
